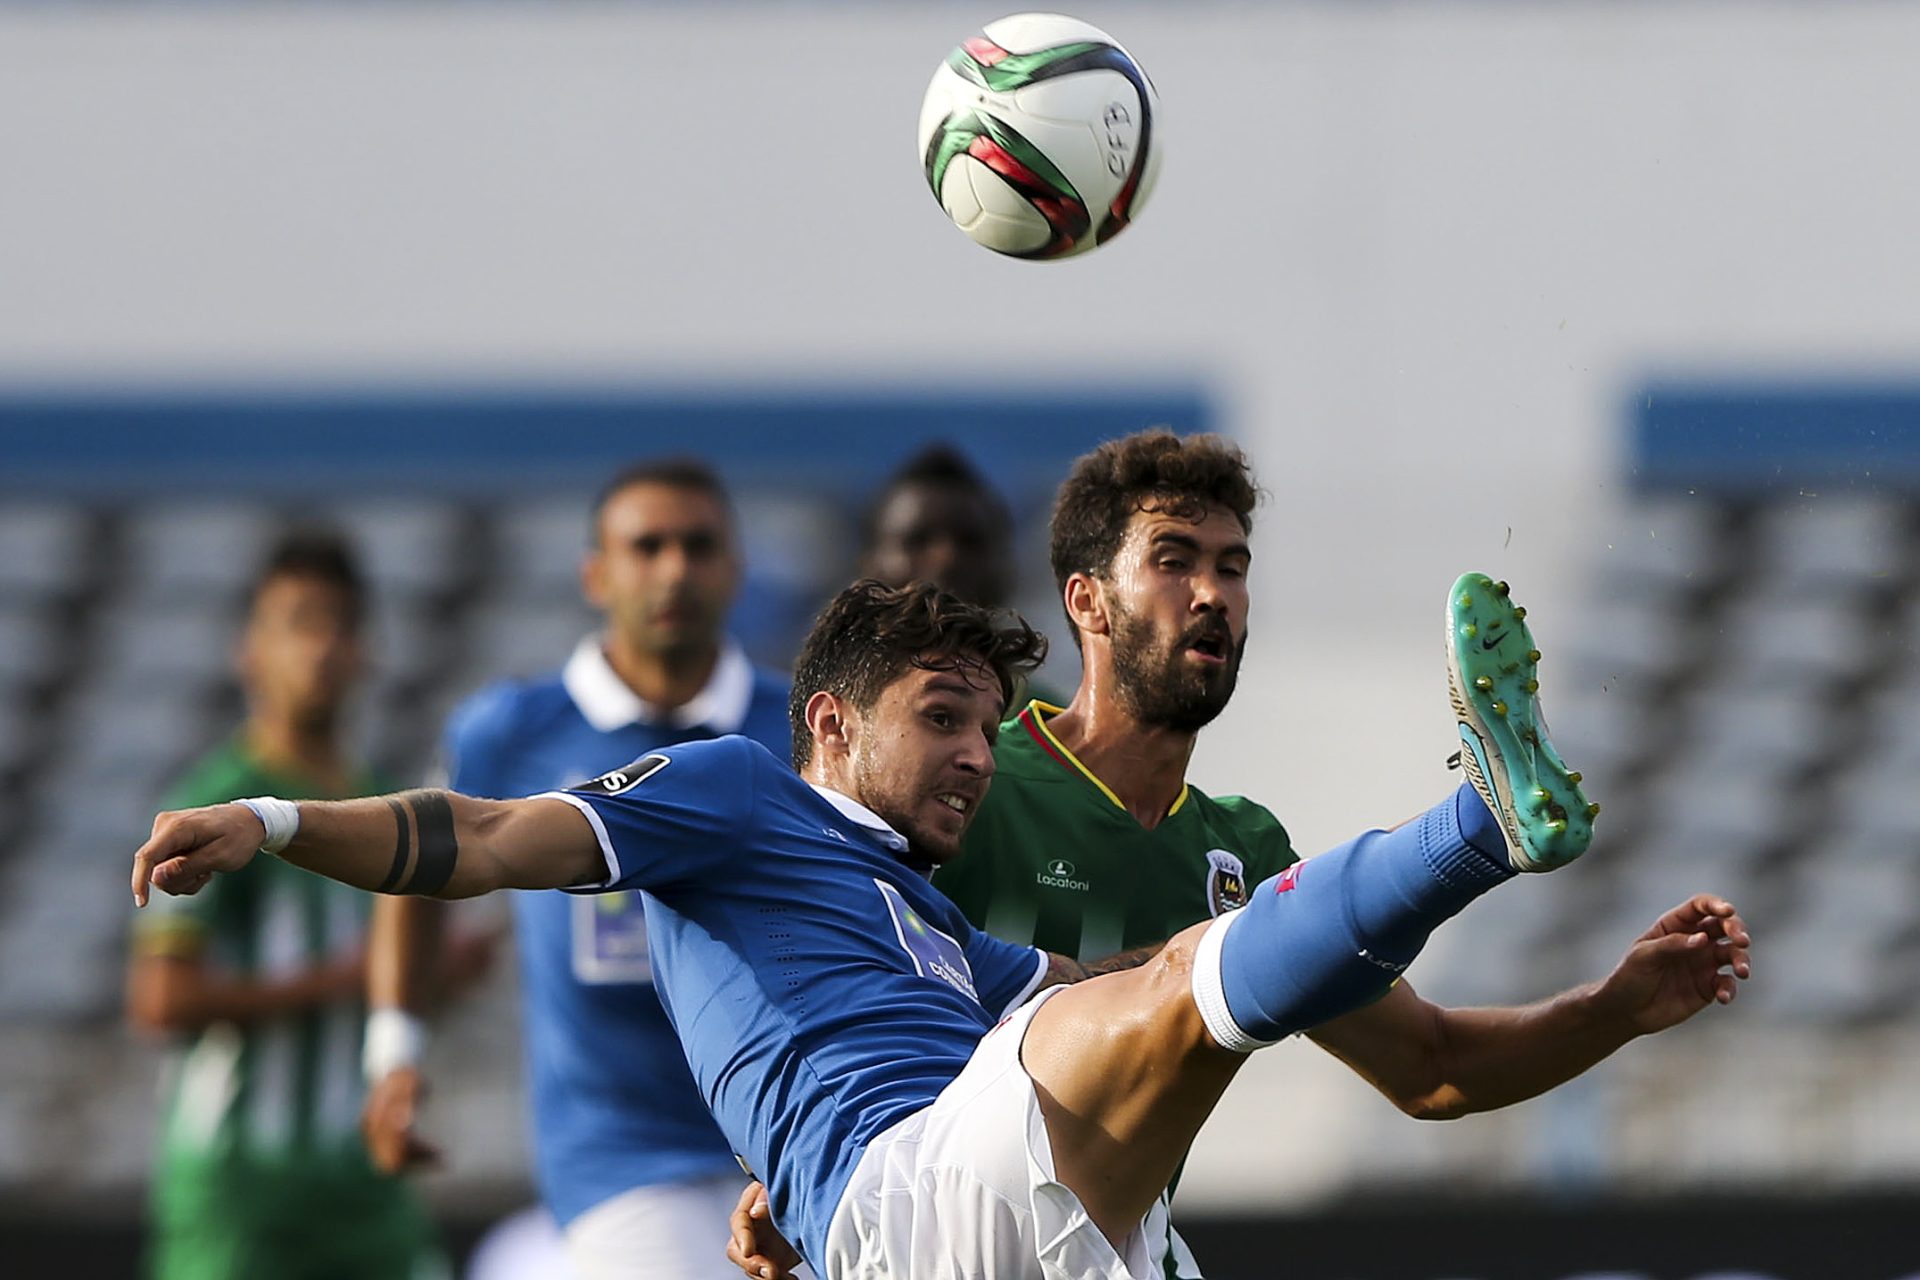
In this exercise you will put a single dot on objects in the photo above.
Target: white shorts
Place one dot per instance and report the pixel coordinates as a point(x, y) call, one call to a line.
point(964, 1190)
point(674, 1229)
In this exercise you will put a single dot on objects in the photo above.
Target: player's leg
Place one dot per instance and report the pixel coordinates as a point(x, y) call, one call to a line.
point(1128, 1066)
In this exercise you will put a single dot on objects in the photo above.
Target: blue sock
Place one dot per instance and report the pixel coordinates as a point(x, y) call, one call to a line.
point(1333, 933)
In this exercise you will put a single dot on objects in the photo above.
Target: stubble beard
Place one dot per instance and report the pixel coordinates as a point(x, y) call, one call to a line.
point(1158, 688)
point(897, 813)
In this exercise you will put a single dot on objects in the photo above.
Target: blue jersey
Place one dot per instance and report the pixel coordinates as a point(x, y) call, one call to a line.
point(823, 988)
point(614, 1106)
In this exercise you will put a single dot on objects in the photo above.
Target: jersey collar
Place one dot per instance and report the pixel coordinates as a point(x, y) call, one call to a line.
point(607, 703)
point(853, 811)
point(1033, 718)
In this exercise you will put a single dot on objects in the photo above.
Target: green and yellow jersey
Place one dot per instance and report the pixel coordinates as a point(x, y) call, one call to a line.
point(1055, 860)
point(261, 1168)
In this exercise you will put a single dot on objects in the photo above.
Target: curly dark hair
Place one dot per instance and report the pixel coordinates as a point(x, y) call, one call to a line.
point(870, 634)
point(1152, 470)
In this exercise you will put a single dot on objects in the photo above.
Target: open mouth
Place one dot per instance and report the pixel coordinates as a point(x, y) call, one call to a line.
point(957, 803)
point(1211, 648)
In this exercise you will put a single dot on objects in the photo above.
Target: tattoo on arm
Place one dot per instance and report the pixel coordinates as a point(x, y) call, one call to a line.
point(438, 849)
point(1060, 969)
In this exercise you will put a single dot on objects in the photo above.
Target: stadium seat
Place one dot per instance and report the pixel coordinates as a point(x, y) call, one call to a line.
point(410, 549)
point(538, 547)
point(1773, 732)
point(1777, 637)
point(193, 554)
point(1733, 814)
point(43, 550)
point(1629, 641)
point(1830, 957)
point(405, 642)
point(1663, 543)
point(30, 648)
point(1876, 805)
point(150, 645)
point(1833, 543)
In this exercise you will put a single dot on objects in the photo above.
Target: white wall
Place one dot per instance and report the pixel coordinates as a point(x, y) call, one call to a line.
point(1423, 250)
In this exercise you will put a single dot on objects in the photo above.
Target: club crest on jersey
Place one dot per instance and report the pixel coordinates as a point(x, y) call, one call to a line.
point(626, 777)
point(1226, 881)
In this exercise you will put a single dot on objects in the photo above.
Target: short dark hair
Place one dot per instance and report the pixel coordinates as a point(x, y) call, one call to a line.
point(938, 466)
point(316, 553)
point(1152, 470)
point(681, 471)
point(871, 634)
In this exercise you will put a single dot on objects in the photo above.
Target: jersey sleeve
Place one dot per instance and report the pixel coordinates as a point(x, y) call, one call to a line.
point(673, 815)
point(1004, 975)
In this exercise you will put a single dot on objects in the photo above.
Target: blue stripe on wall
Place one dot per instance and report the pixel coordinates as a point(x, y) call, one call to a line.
point(462, 441)
point(1759, 438)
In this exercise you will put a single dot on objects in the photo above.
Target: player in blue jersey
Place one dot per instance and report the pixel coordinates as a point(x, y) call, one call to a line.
point(629, 1162)
point(914, 1107)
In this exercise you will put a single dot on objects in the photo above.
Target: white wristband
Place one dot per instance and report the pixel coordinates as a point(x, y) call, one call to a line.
point(281, 818)
point(395, 1039)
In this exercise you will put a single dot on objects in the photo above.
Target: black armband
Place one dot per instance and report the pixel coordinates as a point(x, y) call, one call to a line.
point(433, 821)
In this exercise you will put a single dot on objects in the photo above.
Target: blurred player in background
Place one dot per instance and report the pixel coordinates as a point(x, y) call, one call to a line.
point(937, 520)
point(261, 1167)
point(629, 1162)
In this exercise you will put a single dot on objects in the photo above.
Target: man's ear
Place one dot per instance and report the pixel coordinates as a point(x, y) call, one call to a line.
point(593, 578)
point(828, 724)
point(1086, 603)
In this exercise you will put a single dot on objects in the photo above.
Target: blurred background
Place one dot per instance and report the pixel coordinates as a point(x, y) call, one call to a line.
point(1613, 300)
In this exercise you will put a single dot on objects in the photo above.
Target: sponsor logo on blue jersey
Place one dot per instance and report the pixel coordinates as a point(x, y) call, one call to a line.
point(627, 777)
point(935, 955)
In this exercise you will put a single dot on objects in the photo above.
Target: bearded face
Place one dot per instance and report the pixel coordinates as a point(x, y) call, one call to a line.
point(1174, 678)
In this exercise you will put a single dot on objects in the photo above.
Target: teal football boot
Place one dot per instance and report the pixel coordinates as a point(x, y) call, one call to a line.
point(1493, 674)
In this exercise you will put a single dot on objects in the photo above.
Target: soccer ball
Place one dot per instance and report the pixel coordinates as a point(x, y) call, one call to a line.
point(1040, 136)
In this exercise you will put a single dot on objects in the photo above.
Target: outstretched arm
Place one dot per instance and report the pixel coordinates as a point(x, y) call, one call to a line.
point(435, 843)
point(1438, 1064)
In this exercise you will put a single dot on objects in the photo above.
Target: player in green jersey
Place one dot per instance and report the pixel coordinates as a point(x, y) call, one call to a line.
point(1091, 841)
point(261, 1171)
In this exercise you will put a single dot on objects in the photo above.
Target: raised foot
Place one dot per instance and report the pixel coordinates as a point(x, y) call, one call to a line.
point(1493, 677)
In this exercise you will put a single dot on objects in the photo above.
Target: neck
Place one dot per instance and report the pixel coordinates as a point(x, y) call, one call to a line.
point(284, 744)
point(1144, 765)
point(665, 678)
point(831, 772)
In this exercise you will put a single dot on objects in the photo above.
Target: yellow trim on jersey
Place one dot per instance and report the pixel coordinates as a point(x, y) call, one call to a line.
point(1041, 710)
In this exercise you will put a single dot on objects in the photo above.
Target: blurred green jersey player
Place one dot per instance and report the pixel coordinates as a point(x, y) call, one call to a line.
point(261, 1169)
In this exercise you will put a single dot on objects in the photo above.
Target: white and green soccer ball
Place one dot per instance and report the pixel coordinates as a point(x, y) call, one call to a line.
point(1040, 136)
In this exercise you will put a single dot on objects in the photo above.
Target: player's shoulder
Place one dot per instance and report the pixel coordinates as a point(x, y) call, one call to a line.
point(508, 709)
point(1248, 819)
point(732, 760)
